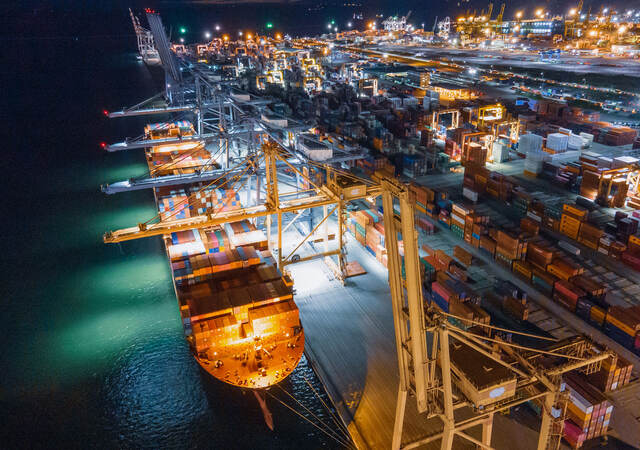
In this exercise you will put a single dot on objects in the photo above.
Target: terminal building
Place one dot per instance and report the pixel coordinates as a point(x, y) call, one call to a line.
point(533, 28)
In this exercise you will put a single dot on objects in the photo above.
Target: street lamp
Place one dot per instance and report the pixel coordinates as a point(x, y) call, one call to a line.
point(217, 27)
point(207, 35)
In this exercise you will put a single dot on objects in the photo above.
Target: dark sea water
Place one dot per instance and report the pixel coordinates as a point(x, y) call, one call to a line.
point(92, 352)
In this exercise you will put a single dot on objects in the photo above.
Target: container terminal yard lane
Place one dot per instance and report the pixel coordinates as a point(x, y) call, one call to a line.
point(460, 269)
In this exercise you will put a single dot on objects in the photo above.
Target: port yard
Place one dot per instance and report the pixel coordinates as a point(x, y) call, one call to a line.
point(493, 244)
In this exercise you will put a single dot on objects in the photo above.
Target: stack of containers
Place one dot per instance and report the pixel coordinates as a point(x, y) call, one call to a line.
point(590, 235)
point(588, 138)
point(567, 294)
point(564, 268)
point(594, 298)
point(211, 200)
point(631, 256)
point(590, 175)
point(572, 218)
point(174, 206)
point(184, 243)
point(588, 411)
point(531, 146)
point(215, 239)
point(512, 300)
point(462, 255)
point(614, 373)
point(557, 142)
point(500, 152)
point(458, 216)
point(575, 142)
point(623, 325)
point(374, 236)
point(423, 197)
point(244, 233)
point(509, 248)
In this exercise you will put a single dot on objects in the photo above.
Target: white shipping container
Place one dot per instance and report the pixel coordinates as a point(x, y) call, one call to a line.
point(458, 219)
point(569, 248)
point(575, 142)
point(500, 152)
point(565, 157)
point(557, 141)
point(604, 162)
point(529, 143)
point(588, 138)
point(471, 195)
point(534, 216)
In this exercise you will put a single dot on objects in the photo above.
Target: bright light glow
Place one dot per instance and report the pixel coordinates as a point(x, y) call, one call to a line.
point(278, 36)
point(622, 29)
point(249, 36)
point(239, 33)
point(225, 37)
point(183, 30)
point(539, 13)
point(473, 71)
point(349, 24)
point(217, 27)
point(518, 14)
point(182, 40)
point(207, 35)
point(593, 33)
point(573, 11)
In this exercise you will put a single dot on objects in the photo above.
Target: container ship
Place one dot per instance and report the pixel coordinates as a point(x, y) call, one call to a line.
point(237, 307)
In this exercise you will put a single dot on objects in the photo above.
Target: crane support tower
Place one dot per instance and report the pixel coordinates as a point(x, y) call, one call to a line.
point(146, 46)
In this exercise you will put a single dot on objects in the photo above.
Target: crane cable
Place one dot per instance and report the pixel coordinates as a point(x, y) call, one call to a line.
point(186, 200)
point(310, 412)
point(498, 328)
point(173, 162)
point(455, 329)
point(331, 413)
point(186, 155)
point(338, 440)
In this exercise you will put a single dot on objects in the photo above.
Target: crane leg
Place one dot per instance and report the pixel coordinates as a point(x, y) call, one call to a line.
point(397, 426)
point(487, 429)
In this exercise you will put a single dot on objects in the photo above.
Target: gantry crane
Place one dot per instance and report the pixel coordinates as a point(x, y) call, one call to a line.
point(424, 336)
point(425, 339)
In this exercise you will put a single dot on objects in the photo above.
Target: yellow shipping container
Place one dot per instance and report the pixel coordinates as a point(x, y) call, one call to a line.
point(620, 325)
point(597, 315)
